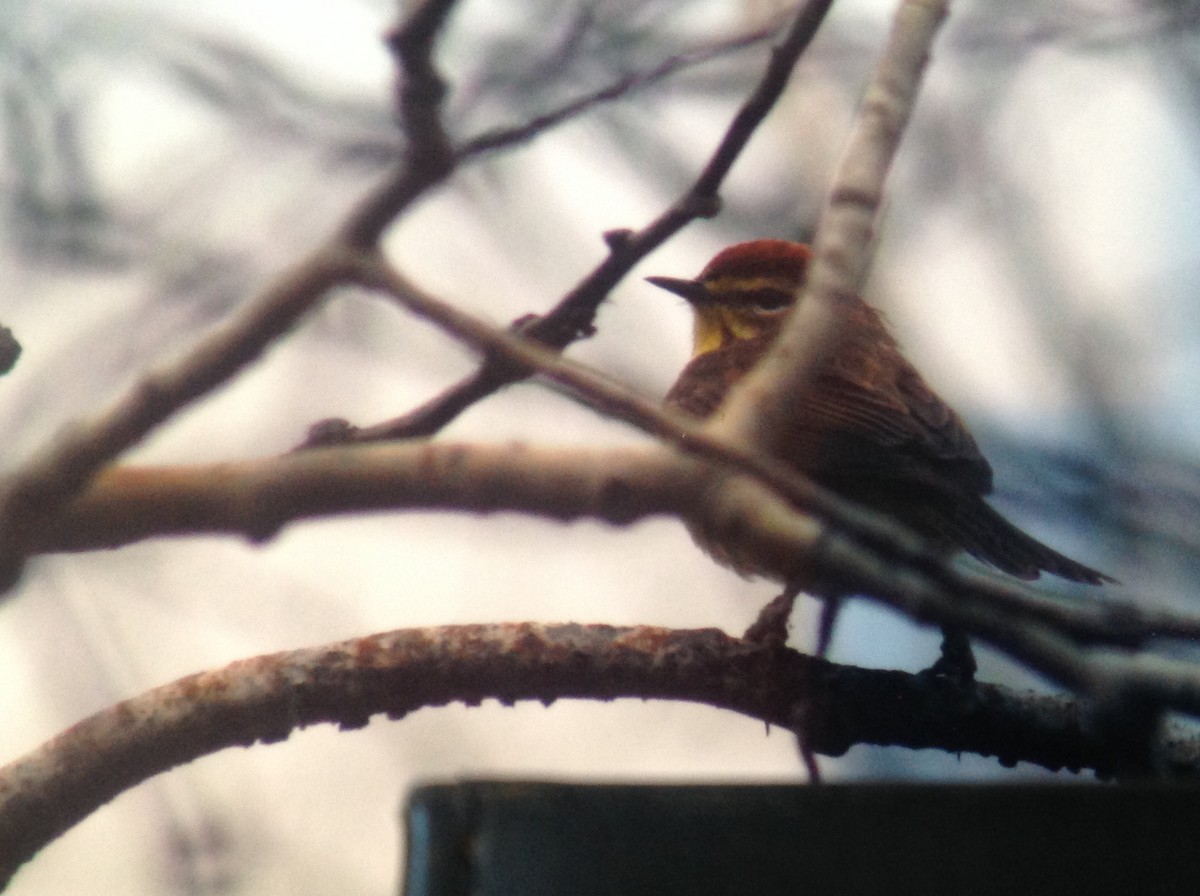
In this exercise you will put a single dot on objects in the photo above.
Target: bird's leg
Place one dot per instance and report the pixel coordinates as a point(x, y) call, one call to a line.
point(957, 661)
point(808, 756)
point(830, 609)
point(771, 626)
point(770, 629)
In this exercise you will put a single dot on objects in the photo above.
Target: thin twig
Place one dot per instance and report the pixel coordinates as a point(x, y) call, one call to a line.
point(428, 157)
point(502, 138)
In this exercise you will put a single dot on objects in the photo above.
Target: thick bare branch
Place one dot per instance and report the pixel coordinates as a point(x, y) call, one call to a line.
point(266, 698)
point(256, 498)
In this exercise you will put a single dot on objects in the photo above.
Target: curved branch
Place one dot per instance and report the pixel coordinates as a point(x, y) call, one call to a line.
point(266, 698)
point(1073, 645)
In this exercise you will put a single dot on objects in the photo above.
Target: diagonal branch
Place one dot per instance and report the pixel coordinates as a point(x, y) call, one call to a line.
point(36, 491)
point(758, 408)
point(33, 493)
point(572, 318)
point(265, 698)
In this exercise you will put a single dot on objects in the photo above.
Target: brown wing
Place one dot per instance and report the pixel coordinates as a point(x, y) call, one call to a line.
point(869, 414)
point(873, 431)
point(872, 414)
point(891, 427)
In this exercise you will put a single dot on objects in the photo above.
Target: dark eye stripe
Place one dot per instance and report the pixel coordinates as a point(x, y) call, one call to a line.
point(769, 298)
point(763, 293)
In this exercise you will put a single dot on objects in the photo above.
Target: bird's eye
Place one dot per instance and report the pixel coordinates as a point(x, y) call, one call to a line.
point(771, 299)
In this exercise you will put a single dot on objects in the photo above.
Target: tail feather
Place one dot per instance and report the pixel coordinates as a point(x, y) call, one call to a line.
point(974, 526)
point(957, 521)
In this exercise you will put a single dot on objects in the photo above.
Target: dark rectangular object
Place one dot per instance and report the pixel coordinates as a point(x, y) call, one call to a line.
point(538, 839)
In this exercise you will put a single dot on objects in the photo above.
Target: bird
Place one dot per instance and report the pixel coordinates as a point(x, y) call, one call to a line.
point(868, 428)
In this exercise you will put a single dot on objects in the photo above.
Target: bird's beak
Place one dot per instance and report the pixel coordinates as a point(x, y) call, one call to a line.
point(692, 290)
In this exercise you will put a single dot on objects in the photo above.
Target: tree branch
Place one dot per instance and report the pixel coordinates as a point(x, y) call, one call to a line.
point(256, 498)
point(759, 406)
point(572, 318)
point(33, 493)
point(428, 157)
point(265, 698)
point(503, 138)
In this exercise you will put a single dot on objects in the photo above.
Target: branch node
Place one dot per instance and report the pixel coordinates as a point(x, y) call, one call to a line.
point(330, 431)
point(617, 240)
point(702, 205)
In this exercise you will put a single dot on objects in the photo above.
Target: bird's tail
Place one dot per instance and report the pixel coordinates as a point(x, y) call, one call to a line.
point(973, 525)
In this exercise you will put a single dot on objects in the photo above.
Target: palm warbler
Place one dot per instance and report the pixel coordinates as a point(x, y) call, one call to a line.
point(869, 428)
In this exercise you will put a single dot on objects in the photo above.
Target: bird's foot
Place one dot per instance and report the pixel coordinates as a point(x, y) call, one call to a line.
point(825, 622)
point(957, 662)
point(771, 627)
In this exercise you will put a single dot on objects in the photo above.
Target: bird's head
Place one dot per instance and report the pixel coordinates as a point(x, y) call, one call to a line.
point(745, 291)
